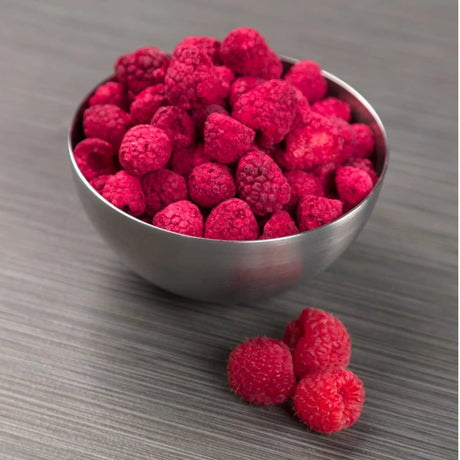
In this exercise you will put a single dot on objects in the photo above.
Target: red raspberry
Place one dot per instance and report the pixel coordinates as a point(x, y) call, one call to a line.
point(94, 157)
point(146, 103)
point(349, 139)
point(209, 45)
point(225, 139)
point(315, 211)
point(273, 67)
point(184, 160)
point(108, 93)
point(302, 183)
point(365, 141)
point(303, 113)
point(280, 224)
point(353, 185)
point(261, 183)
point(242, 85)
point(294, 332)
point(226, 77)
point(180, 217)
point(306, 75)
point(326, 175)
point(106, 122)
point(144, 149)
point(366, 165)
point(200, 114)
point(141, 69)
point(260, 371)
point(231, 220)
point(125, 192)
point(325, 343)
point(269, 107)
point(98, 183)
point(332, 107)
point(177, 124)
point(210, 184)
point(162, 187)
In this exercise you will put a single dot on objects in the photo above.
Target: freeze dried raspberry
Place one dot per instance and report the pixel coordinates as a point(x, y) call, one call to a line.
point(191, 78)
point(242, 85)
point(209, 45)
point(326, 175)
point(140, 69)
point(365, 141)
point(226, 77)
point(280, 224)
point(231, 220)
point(306, 75)
point(108, 93)
point(349, 139)
point(162, 187)
point(144, 149)
point(226, 139)
point(177, 124)
point(293, 333)
point(273, 67)
point(181, 217)
point(98, 182)
point(303, 113)
point(210, 184)
point(107, 122)
point(315, 211)
point(184, 160)
point(269, 107)
point(302, 183)
point(366, 165)
point(125, 192)
point(329, 401)
point(261, 183)
point(325, 343)
point(200, 114)
point(94, 157)
point(332, 107)
point(353, 185)
point(260, 371)
point(146, 103)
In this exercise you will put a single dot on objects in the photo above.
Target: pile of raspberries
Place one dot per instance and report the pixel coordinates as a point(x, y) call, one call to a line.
point(308, 365)
point(216, 141)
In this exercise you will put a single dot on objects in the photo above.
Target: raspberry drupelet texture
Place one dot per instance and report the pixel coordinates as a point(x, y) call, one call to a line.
point(210, 184)
point(98, 183)
point(108, 93)
point(348, 136)
point(209, 45)
point(185, 159)
point(260, 371)
point(200, 114)
point(177, 124)
point(273, 67)
point(242, 85)
point(180, 217)
point(306, 75)
point(269, 108)
point(107, 122)
point(162, 187)
point(226, 77)
point(353, 185)
point(94, 157)
point(260, 182)
point(302, 183)
point(366, 165)
point(125, 192)
point(146, 103)
point(329, 401)
point(226, 139)
point(332, 107)
point(144, 149)
point(315, 211)
point(278, 225)
point(231, 220)
point(293, 333)
point(365, 141)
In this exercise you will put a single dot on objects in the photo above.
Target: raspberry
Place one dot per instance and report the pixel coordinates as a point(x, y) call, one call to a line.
point(306, 75)
point(225, 139)
point(269, 107)
point(349, 139)
point(315, 211)
point(210, 184)
point(144, 149)
point(125, 192)
point(106, 122)
point(180, 217)
point(231, 220)
point(294, 332)
point(280, 224)
point(177, 124)
point(332, 107)
point(108, 93)
point(325, 343)
point(303, 113)
point(353, 185)
point(365, 141)
point(273, 67)
point(162, 187)
point(98, 182)
point(94, 157)
point(329, 401)
point(366, 165)
point(261, 183)
point(146, 103)
point(184, 160)
point(201, 113)
point(209, 45)
point(226, 77)
point(302, 183)
point(260, 371)
point(326, 175)
point(242, 85)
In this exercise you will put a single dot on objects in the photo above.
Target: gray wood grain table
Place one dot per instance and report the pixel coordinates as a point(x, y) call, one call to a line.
point(97, 364)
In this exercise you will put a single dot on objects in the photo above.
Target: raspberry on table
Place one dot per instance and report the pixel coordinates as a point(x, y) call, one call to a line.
point(260, 371)
point(332, 107)
point(185, 159)
point(210, 184)
point(231, 220)
point(366, 165)
point(209, 45)
point(365, 140)
point(302, 183)
point(181, 217)
point(94, 157)
point(242, 85)
point(328, 401)
point(315, 211)
point(306, 75)
point(353, 185)
point(278, 225)
point(108, 93)
point(146, 103)
point(144, 149)
point(98, 182)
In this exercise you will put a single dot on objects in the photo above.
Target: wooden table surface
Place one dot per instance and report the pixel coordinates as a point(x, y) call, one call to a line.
point(97, 364)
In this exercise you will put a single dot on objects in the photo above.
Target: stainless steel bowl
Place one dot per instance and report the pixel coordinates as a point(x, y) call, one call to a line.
point(223, 271)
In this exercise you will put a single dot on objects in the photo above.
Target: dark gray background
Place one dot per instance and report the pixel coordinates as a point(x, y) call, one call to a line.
point(95, 363)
